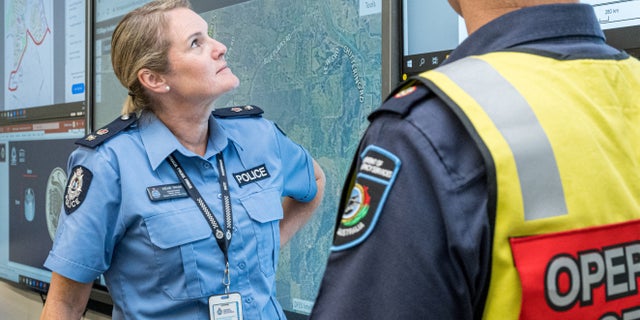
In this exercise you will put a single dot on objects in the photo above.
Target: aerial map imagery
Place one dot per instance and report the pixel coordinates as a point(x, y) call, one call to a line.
point(314, 67)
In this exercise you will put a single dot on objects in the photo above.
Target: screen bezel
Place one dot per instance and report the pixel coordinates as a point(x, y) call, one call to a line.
point(626, 38)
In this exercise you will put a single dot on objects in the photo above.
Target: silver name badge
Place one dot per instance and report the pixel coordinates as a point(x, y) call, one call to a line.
point(166, 192)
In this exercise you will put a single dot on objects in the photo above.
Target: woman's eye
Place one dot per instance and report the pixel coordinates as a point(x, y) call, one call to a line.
point(195, 43)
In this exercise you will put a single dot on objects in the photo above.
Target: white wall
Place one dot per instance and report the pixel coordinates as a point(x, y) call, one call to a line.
point(17, 304)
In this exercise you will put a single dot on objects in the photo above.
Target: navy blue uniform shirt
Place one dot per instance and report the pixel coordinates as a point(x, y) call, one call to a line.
point(426, 254)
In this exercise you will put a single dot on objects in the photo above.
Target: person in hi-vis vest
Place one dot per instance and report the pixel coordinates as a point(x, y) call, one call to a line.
point(504, 184)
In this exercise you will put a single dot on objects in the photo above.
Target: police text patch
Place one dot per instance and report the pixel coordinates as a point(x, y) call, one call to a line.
point(77, 188)
point(252, 175)
point(376, 172)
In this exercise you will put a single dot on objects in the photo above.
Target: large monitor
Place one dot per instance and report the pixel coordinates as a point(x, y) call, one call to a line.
point(423, 33)
point(33, 176)
point(314, 67)
point(43, 110)
point(44, 60)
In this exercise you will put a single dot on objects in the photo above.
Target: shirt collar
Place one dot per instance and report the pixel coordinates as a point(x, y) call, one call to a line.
point(528, 25)
point(160, 142)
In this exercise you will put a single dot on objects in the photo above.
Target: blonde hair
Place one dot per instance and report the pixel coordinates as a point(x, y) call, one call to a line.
point(138, 43)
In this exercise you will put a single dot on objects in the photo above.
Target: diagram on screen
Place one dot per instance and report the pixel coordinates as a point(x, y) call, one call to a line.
point(37, 180)
point(28, 53)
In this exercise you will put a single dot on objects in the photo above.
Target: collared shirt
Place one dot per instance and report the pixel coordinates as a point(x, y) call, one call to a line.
point(428, 255)
point(159, 258)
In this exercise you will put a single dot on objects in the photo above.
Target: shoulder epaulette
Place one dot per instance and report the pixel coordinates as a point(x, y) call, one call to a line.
point(401, 100)
point(239, 111)
point(103, 134)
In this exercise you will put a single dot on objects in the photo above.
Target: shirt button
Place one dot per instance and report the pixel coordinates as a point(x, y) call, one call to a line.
point(206, 165)
point(248, 299)
point(242, 265)
point(219, 195)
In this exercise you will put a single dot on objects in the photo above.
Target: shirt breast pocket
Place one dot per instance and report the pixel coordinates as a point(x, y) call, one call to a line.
point(176, 238)
point(265, 210)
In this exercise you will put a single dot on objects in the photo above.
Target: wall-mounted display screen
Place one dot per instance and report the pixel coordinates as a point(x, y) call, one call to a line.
point(431, 30)
point(33, 162)
point(43, 50)
point(43, 108)
point(313, 66)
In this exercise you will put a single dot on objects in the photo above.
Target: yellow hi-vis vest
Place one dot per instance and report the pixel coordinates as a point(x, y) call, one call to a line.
point(561, 142)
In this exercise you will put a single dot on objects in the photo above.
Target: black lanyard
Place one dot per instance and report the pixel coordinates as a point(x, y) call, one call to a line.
point(223, 238)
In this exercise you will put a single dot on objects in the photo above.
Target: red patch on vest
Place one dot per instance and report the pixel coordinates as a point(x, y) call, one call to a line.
point(589, 273)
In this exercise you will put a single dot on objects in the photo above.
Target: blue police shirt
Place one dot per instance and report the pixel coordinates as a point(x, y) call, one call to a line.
point(159, 258)
point(426, 255)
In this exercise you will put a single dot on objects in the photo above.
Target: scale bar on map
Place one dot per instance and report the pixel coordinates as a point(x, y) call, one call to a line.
point(616, 14)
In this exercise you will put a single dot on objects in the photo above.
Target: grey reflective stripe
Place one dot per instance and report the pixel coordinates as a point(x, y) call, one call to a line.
point(542, 192)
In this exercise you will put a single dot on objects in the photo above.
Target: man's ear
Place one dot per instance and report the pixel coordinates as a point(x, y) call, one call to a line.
point(152, 81)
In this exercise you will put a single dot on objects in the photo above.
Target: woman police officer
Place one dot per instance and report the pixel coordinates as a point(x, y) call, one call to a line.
point(153, 202)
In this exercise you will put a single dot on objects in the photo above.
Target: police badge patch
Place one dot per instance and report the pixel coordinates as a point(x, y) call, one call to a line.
point(376, 173)
point(77, 187)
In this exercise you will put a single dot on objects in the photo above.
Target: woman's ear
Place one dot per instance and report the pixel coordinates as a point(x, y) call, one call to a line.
point(152, 81)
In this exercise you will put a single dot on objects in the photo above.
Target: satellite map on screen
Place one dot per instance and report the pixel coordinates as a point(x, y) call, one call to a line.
point(314, 67)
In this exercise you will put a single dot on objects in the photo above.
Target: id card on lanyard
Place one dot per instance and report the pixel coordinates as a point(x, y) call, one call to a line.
point(227, 306)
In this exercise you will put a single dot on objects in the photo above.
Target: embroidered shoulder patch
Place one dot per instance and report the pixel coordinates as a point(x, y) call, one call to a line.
point(77, 188)
point(375, 175)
